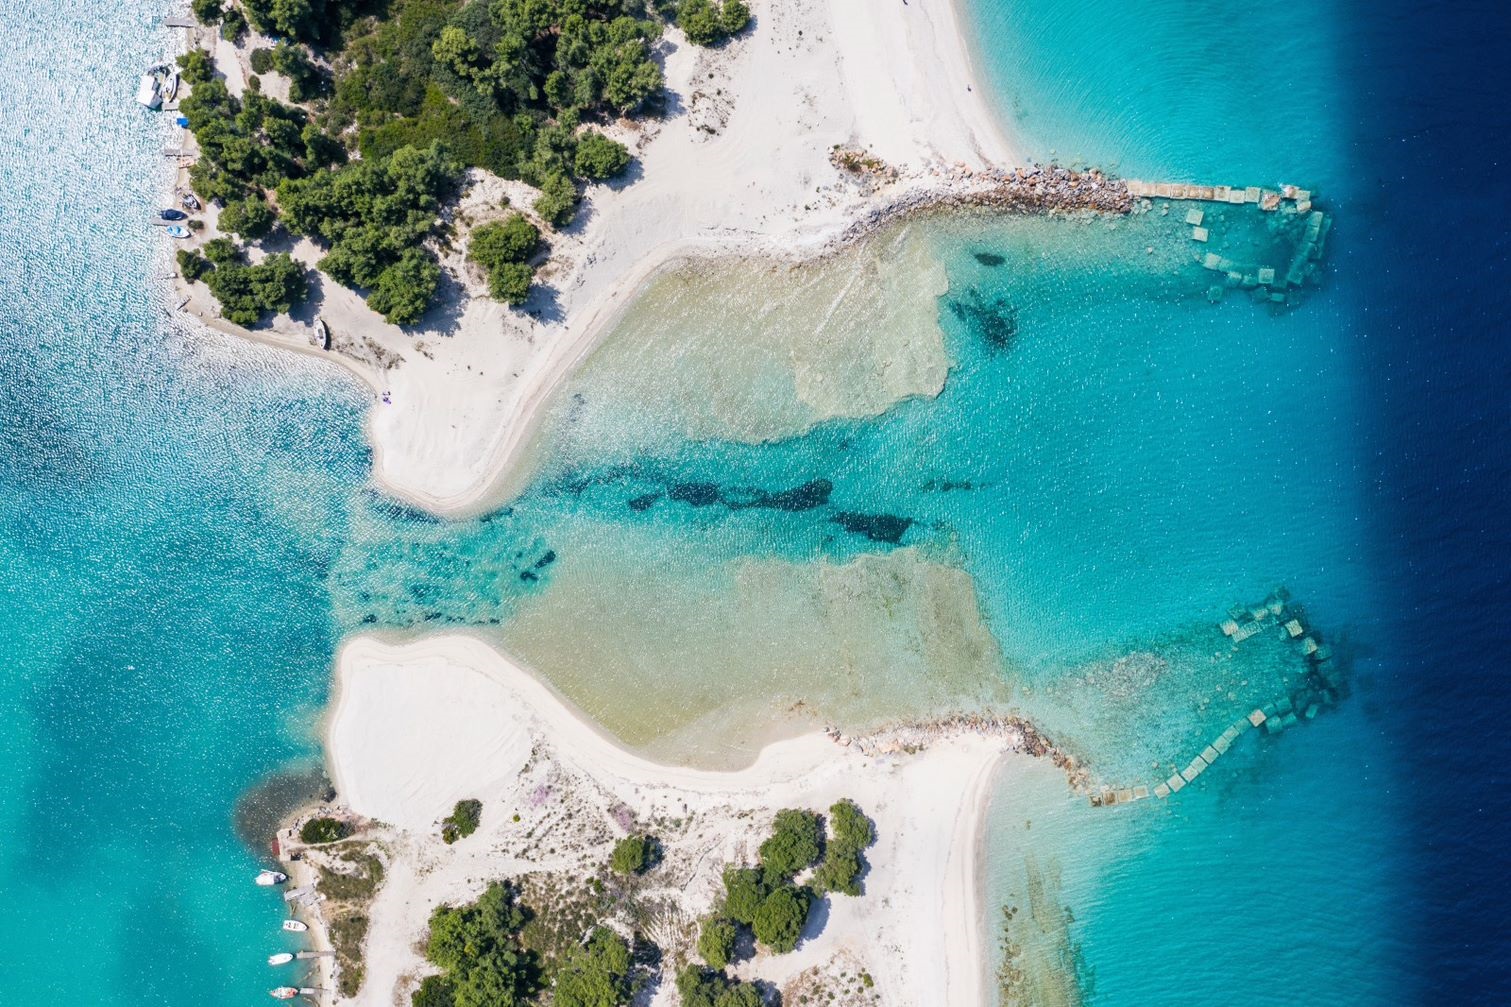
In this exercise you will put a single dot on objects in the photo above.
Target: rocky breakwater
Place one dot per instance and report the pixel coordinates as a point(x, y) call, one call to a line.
point(1018, 734)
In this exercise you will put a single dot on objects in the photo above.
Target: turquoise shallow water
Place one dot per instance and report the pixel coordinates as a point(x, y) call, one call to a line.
point(188, 532)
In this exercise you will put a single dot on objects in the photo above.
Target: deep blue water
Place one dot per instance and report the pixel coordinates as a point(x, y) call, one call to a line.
point(177, 521)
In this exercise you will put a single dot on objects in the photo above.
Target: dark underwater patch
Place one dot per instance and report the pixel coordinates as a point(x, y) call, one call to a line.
point(992, 320)
point(988, 258)
point(889, 528)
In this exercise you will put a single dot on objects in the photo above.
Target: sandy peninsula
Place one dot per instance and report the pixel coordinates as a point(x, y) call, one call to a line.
point(741, 165)
point(415, 727)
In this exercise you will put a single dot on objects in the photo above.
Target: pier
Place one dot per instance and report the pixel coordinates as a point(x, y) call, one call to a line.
point(1321, 687)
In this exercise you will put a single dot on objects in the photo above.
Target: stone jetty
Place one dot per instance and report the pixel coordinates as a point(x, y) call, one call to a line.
point(1321, 686)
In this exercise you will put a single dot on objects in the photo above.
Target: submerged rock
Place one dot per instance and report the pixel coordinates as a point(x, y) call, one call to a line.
point(888, 528)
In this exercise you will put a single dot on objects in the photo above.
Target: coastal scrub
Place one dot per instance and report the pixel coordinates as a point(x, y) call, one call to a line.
point(463, 820)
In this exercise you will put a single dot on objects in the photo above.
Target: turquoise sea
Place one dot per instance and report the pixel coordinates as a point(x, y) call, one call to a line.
point(188, 530)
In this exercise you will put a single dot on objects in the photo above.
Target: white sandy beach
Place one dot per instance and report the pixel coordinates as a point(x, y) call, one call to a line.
point(415, 727)
point(740, 166)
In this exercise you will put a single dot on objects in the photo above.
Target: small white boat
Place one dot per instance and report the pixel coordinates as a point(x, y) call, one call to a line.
point(149, 92)
point(322, 334)
point(170, 86)
point(295, 926)
point(175, 231)
point(284, 993)
point(269, 878)
point(281, 959)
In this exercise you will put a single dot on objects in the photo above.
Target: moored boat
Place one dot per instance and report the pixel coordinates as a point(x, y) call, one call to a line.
point(269, 878)
point(295, 926)
point(175, 231)
point(283, 958)
point(190, 201)
point(322, 334)
point(170, 86)
point(284, 993)
point(149, 91)
point(171, 214)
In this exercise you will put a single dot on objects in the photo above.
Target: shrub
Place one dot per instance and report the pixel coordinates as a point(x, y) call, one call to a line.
point(434, 991)
point(206, 11)
point(734, 17)
point(706, 23)
point(196, 67)
point(247, 293)
point(779, 921)
point(701, 987)
point(233, 25)
point(192, 265)
point(598, 157)
point(222, 251)
point(744, 891)
point(594, 975)
point(404, 290)
point(795, 843)
point(261, 59)
point(463, 820)
point(251, 217)
point(557, 201)
point(501, 248)
point(632, 855)
point(477, 948)
point(324, 830)
point(716, 943)
point(843, 864)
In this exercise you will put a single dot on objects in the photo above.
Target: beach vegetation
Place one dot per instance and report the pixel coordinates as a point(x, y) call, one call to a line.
point(701, 987)
point(795, 843)
point(633, 855)
point(233, 24)
point(502, 248)
point(261, 60)
point(324, 830)
point(780, 918)
point(463, 820)
point(196, 66)
point(248, 294)
point(477, 948)
point(249, 217)
point(306, 79)
point(434, 991)
point(716, 941)
point(744, 891)
point(594, 974)
point(192, 265)
point(850, 832)
point(206, 11)
point(707, 23)
point(598, 158)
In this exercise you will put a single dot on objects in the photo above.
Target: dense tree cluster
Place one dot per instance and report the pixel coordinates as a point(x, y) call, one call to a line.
point(596, 974)
point(707, 23)
point(374, 214)
point(247, 293)
point(795, 843)
point(850, 832)
point(477, 948)
point(315, 21)
point(503, 249)
point(507, 84)
point(716, 941)
point(700, 987)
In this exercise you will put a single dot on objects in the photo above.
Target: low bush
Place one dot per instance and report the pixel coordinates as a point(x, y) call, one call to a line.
point(463, 820)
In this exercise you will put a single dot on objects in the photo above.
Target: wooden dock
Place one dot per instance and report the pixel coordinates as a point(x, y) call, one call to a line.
point(180, 22)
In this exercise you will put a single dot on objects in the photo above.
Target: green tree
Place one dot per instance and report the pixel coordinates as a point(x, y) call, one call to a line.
point(463, 820)
point(192, 265)
point(434, 991)
point(557, 201)
point(477, 947)
point(206, 11)
point(716, 942)
point(701, 987)
point(251, 217)
point(594, 975)
point(196, 67)
point(734, 16)
point(795, 843)
point(744, 891)
point(324, 830)
point(779, 921)
point(843, 863)
point(404, 290)
point(222, 251)
point(632, 855)
point(261, 59)
point(233, 25)
point(598, 157)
